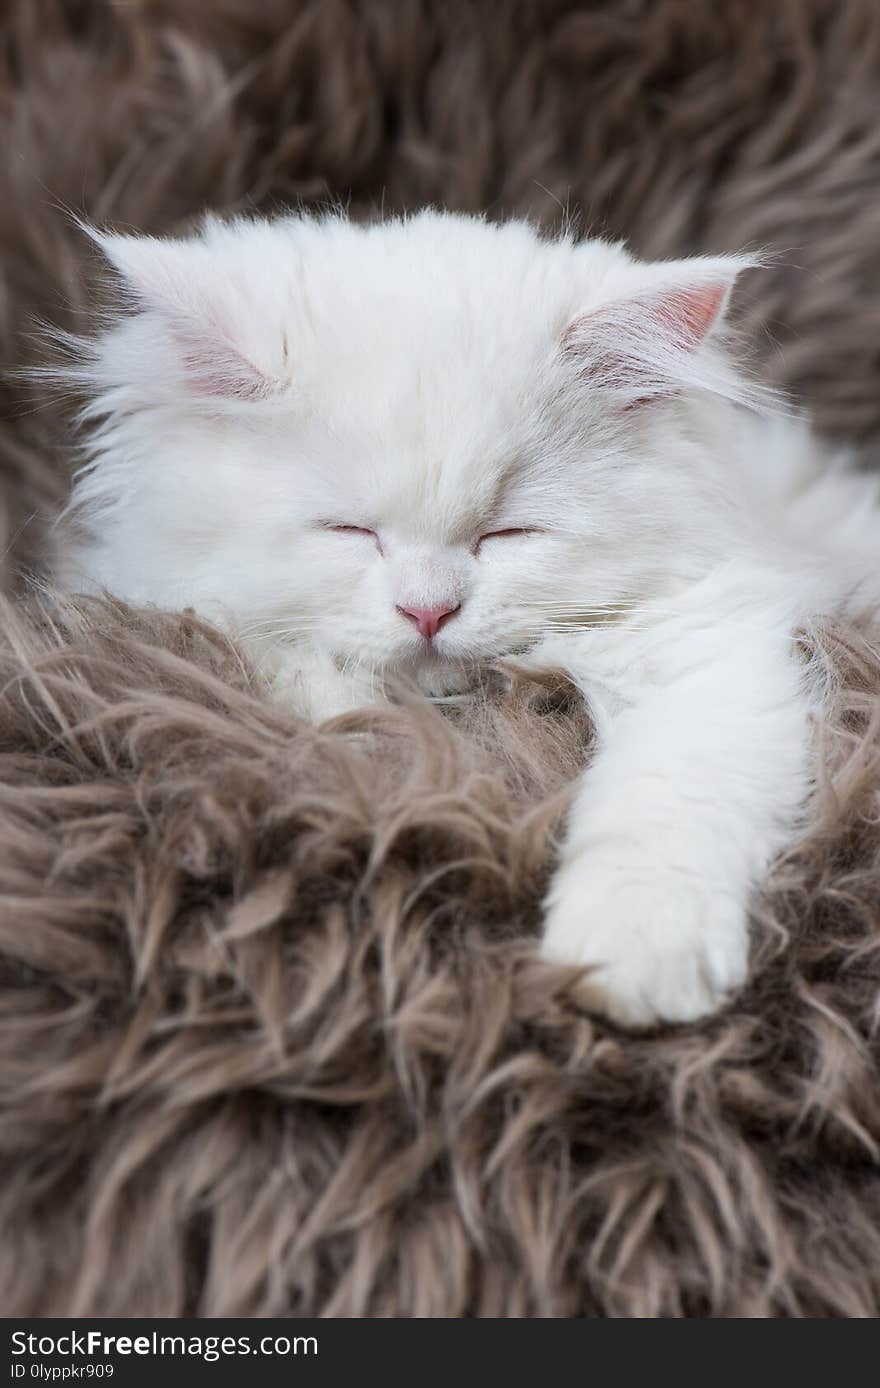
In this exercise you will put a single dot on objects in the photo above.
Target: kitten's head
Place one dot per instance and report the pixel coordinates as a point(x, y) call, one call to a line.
point(415, 444)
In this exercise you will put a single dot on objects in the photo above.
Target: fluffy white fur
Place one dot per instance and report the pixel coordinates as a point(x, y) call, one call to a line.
point(302, 427)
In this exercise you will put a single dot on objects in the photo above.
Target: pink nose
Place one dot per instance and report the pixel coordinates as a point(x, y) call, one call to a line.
point(428, 620)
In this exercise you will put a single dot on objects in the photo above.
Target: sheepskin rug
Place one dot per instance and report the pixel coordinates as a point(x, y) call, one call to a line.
point(274, 1039)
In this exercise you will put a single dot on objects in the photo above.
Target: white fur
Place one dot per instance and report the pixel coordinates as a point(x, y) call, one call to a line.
point(437, 379)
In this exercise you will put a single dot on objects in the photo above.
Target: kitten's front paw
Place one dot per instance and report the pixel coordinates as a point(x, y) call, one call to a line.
point(662, 950)
point(311, 683)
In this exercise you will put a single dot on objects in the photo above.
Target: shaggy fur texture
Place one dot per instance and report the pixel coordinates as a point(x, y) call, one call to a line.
point(272, 1035)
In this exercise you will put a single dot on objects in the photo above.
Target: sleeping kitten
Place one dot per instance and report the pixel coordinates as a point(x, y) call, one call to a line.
point(420, 446)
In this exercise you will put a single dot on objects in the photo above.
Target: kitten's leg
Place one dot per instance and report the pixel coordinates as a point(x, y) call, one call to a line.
point(312, 682)
point(702, 765)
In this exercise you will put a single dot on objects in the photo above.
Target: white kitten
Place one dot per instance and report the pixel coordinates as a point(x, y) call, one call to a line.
point(419, 446)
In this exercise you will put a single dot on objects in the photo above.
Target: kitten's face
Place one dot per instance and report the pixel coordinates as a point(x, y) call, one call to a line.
point(433, 516)
point(418, 446)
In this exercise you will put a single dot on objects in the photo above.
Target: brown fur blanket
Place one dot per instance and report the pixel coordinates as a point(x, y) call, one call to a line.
point(273, 1035)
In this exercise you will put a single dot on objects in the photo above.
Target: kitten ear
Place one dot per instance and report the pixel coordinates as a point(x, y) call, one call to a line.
point(651, 342)
point(205, 313)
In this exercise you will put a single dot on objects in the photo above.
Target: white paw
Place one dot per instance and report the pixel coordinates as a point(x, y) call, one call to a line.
point(310, 682)
point(663, 949)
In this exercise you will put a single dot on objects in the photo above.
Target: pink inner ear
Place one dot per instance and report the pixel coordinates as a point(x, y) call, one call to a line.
point(214, 365)
point(634, 346)
point(688, 313)
point(219, 372)
point(681, 316)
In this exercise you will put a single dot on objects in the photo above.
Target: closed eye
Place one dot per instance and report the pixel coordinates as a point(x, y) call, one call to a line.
point(510, 534)
point(353, 530)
